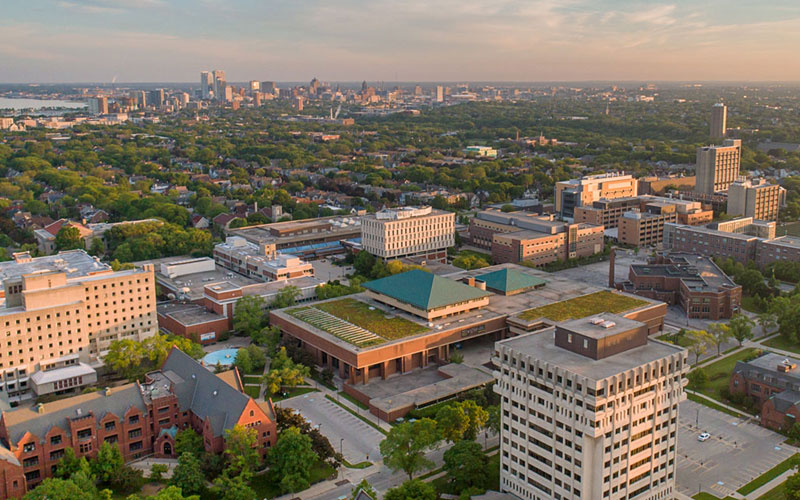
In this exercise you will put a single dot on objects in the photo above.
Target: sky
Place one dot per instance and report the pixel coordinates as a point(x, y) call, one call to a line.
point(51, 41)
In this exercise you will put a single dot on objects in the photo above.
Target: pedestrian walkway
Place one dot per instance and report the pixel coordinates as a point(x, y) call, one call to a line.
point(770, 485)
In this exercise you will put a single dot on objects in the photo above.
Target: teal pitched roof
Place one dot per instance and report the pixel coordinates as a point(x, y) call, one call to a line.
point(424, 290)
point(509, 280)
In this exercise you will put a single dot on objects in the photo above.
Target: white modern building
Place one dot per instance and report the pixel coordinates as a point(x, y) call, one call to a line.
point(589, 411)
point(420, 233)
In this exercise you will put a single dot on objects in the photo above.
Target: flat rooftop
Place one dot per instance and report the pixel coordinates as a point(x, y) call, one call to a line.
point(195, 282)
point(541, 345)
point(697, 272)
point(788, 241)
point(770, 362)
point(600, 326)
point(187, 314)
point(75, 263)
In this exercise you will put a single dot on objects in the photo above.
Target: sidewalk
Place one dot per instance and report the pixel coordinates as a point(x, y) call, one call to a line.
point(770, 485)
point(714, 401)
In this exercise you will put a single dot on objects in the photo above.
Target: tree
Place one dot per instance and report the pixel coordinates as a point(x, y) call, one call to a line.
point(286, 297)
point(741, 328)
point(157, 472)
point(791, 488)
point(107, 463)
point(413, 489)
point(133, 359)
point(69, 464)
point(126, 480)
point(697, 379)
point(248, 315)
point(188, 475)
point(189, 441)
point(241, 448)
point(698, 343)
point(477, 418)
point(720, 333)
point(257, 357)
point(767, 322)
point(466, 465)
point(292, 456)
point(58, 489)
point(451, 422)
point(493, 422)
point(68, 238)
point(405, 446)
point(233, 488)
point(172, 493)
point(366, 488)
point(285, 373)
point(242, 361)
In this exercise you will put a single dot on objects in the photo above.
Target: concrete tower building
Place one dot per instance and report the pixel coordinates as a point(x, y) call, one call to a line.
point(755, 198)
point(718, 166)
point(206, 84)
point(589, 411)
point(719, 117)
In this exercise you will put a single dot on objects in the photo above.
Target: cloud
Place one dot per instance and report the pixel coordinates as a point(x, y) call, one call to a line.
point(107, 6)
point(660, 15)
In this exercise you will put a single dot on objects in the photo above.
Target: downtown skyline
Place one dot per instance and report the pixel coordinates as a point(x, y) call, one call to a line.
point(159, 40)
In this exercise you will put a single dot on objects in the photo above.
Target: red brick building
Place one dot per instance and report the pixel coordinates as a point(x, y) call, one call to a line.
point(772, 381)
point(140, 418)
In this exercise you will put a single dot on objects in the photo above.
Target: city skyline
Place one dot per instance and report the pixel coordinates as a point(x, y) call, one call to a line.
point(156, 40)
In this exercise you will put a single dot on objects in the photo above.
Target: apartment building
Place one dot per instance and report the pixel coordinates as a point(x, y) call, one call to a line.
point(420, 233)
point(702, 240)
point(589, 411)
point(609, 212)
point(693, 282)
point(718, 125)
point(141, 419)
point(746, 225)
point(783, 248)
point(718, 166)
point(606, 213)
point(586, 190)
point(62, 311)
point(755, 198)
point(646, 228)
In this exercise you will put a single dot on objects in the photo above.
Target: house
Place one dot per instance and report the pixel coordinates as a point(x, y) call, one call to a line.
point(46, 237)
point(140, 418)
point(200, 222)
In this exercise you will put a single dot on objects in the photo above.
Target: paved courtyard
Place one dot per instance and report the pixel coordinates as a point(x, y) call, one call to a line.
point(737, 452)
point(597, 274)
point(360, 439)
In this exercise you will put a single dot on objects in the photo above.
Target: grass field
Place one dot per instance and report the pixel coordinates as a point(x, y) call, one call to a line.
point(583, 306)
point(708, 496)
point(776, 493)
point(710, 404)
point(749, 304)
point(373, 320)
point(297, 391)
point(353, 400)
point(252, 390)
point(769, 475)
point(265, 487)
point(779, 342)
point(719, 373)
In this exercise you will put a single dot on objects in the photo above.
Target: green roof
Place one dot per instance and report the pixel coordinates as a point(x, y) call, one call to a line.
point(424, 290)
point(509, 280)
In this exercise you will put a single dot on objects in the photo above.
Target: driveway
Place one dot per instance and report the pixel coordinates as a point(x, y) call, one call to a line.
point(360, 439)
point(738, 451)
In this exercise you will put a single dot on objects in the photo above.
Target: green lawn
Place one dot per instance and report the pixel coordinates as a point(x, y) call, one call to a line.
point(769, 475)
point(711, 404)
point(749, 304)
point(253, 391)
point(266, 488)
point(719, 373)
point(708, 496)
point(296, 391)
point(585, 305)
point(249, 379)
point(779, 342)
point(776, 493)
point(373, 320)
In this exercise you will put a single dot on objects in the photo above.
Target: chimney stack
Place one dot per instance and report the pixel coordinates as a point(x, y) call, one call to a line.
point(611, 267)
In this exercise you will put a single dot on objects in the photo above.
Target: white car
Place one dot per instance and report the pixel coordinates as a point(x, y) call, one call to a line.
point(703, 437)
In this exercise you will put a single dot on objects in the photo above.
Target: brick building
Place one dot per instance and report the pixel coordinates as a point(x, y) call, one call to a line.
point(773, 383)
point(586, 190)
point(692, 282)
point(140, 418)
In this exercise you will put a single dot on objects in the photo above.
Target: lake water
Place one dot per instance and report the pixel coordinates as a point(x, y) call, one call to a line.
point(19, 104)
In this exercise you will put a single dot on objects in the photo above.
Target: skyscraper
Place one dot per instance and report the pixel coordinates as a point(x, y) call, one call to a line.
point(439, 93)
point(98, 105)
point(219, 82)
point(719, 114)
point(206, 84)
point(156, 98)
point(718, 166)
point(589, 411)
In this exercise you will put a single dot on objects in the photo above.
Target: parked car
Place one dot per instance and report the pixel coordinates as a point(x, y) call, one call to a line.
point(703, 437)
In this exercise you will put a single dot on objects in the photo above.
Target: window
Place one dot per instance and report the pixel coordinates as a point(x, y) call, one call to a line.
point(136, 446)
point(28, 447)
point(55, 440)
point(84, 434)
point(133, 419)
point(110, 426)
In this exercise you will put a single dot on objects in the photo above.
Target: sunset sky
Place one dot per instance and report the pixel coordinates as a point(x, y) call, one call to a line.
point(405, 40)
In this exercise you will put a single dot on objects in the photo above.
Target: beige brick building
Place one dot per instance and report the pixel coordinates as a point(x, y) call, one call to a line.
point(718, 166)
point(409, 232)
point(755, 198)
point(62, 311)
point(586, 190)
point(589, 411)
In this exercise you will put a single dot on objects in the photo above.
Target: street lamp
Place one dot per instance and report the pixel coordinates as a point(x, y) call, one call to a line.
point(341, 443)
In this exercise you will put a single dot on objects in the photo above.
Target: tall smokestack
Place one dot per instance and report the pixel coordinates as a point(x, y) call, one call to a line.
point(611, 264)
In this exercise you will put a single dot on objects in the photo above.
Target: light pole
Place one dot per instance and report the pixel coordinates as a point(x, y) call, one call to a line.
point(341, 444)
point(697, 421)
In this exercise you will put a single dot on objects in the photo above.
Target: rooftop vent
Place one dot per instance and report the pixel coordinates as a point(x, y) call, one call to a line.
point(79, 412)
point(215, 393)
point(40, 408)
point(596, 321)
point(786, 366)
point(608, 324)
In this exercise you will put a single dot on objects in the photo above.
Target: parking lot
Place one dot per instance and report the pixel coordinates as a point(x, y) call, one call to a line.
point(360, 439)
point(737, 452)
